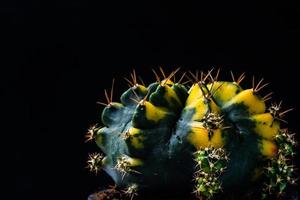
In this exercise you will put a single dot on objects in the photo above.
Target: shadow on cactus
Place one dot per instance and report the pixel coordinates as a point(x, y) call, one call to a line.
point(209, 139)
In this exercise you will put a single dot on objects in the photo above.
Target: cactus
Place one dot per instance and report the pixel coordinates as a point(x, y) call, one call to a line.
point(209, 138)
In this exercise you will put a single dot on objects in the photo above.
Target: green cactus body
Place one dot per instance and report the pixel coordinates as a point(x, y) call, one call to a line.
point(150, 138)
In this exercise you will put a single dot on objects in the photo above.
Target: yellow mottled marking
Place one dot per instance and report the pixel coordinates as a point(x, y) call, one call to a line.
point(265, 125)
point(214, 107)
point(171, 94)
point(134, 161)
point(254, 104)
point(224, 91)
point(142, 88)
point(268, 148)
point(194, 94)
point(167, 81)
point(154, 113)
point(136, 142)
point(105, 161)
point(198, 137)
point(99, 136)
point(200, 109)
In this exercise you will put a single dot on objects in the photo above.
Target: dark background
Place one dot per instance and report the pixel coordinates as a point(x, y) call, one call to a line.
point(64, 53)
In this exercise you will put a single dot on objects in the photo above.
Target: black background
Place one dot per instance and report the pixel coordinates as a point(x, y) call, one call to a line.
point(64, 53)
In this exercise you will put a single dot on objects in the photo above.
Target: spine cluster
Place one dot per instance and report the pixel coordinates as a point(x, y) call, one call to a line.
point(280, 171)
point(211, 163)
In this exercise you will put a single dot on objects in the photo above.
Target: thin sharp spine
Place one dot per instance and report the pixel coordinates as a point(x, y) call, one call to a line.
point(156, 76)
point(258, 84)
point(268, 96)
point(112, 90)
point(162, 72)
point(217, 75)
point(284, 112)
point(232, 76)
point(241, 78)
point(181, 78)
point(140, 78)
point(106, 96)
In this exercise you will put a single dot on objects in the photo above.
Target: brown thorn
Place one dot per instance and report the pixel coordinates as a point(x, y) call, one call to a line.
point(134, 77)
point(211, 78)
point(217, 75)
point(232, 76)
point(140, 78)
point(194, 76)
point(200, 86)
point(172, 74)
point(208, 74)
point(286, 111)
point(181, 78)
point(281, 120)
point(156, 76)
point(162, 72)
point(279, 105)
point(128, 81)
point(201, 76)
point(267, 99)
point(261, 87)
point(185, 82)
point(257, 86)
point(226, 127)
point(101, 103)
point(190, 79)
point(112, 90)
point(241, 78)
point(106, 96)
point(267, 96)
point(145, 97)
point(253, 83)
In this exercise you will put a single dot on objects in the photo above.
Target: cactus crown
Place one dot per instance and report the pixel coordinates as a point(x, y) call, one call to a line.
point(212, 136)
